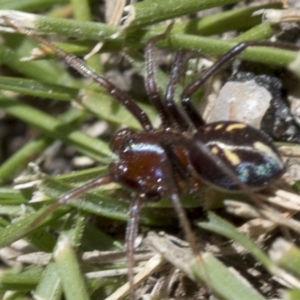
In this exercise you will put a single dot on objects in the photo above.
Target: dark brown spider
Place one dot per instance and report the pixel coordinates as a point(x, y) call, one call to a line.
point(185, 150)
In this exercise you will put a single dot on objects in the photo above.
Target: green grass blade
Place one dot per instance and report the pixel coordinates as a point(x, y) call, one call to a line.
point(56, 129)
point(37, 88)
point(221, 226)
point(69, 272)
point(49, 286)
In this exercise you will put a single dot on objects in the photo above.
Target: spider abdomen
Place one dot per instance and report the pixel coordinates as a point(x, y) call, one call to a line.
point(241, 148)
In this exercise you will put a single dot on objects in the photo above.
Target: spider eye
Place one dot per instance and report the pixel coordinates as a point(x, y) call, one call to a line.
point(119, 139)
point(246, 151)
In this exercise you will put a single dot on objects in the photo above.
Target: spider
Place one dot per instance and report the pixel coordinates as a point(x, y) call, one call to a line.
point(185, 150)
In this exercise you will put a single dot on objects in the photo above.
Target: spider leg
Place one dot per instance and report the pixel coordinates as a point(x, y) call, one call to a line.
point(151, 86)
point(72, 195)
point(187, 104)
point(179, 118)
point(173, 192)
point(131, 233)
point(80, 66)
point(168, 111)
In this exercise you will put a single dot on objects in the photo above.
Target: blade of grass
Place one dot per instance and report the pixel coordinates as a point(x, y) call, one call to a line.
point(19, 229)
point(220, 226)
point(11, 197)
point(69, 271)
point(31, 149)
point(153, 11)
point(222, 282)
point(15, 47)
point(49, 286)
point(20, 281)
point(41, 24)
point(98, 203)
point(56, 129)
point(29, 5)
point(221, 22)
point(112, 111)
point(82, 12)
point(214, 47)
point(37, 88)
point(205, 45)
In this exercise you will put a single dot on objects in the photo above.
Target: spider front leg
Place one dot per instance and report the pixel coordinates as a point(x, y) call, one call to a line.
point(80, 66)
point(151, 86)
point(181, 122)
point(169, 113)
point(186, 95)
point(131, 234)
point(72, 195)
